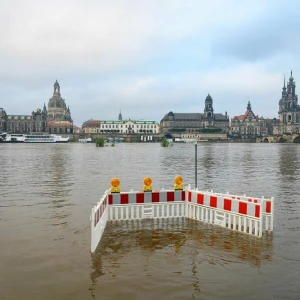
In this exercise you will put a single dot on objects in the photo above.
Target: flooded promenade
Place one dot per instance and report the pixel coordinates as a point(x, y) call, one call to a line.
point(46, 196)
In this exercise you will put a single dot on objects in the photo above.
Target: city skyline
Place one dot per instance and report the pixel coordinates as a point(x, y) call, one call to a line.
point(129, 55)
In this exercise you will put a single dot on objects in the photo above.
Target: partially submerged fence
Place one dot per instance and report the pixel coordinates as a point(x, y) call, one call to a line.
point(241, 213)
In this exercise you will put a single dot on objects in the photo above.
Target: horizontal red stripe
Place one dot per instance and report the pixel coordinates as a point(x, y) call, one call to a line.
point(155, 197)
point(170, 196)
point(124, 199)
point(140, 198)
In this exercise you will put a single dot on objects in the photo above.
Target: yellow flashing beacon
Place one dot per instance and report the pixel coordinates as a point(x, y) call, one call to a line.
point(115, 185)
point(178, 183)
point(147, 184)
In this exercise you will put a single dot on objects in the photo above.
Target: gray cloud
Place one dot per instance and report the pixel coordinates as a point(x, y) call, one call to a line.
point(275, 31)
point(146, 57)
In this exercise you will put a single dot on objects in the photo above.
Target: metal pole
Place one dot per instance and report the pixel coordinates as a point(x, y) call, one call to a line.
point(195, 164)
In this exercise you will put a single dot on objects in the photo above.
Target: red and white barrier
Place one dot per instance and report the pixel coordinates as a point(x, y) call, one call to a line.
point(99, 218)
point(267, 207)
point(244, 214)
point(146, 197)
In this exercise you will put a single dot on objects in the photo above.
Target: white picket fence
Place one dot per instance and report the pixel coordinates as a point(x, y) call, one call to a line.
point(240, 213)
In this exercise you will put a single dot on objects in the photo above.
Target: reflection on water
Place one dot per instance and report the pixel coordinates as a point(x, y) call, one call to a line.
point(189, 245)
point(47, 192)
point(289, 163)
point(207, 162)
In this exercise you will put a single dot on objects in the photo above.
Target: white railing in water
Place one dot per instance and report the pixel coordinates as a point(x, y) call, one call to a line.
point(240, 213)
point(99, 218)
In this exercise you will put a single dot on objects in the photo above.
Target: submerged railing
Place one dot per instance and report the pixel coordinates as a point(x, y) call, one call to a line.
point(240, 213)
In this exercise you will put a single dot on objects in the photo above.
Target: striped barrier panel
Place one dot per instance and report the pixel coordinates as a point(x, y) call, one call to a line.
point(99, 218)
point(267, 207)
point(227, 212)
point(141, 205)
point(146, 197)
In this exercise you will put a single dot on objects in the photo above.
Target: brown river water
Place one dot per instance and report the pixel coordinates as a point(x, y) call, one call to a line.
point(46, 196)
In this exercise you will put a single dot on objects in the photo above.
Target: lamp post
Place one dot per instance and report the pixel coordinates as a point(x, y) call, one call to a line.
point(196, 164)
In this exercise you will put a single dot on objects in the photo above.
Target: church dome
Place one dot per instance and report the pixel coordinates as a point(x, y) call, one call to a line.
point(56, 101)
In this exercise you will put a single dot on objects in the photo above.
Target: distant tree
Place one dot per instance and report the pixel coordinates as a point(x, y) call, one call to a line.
point(99, 142)
point(164, 142)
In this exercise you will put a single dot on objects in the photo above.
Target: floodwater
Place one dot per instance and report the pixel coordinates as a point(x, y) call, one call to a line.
point(46, 196)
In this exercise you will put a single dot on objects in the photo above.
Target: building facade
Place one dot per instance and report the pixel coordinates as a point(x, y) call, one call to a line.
point(36, 122)
point(62, 127)
point(120, 126)
point(248, 125)
point(91, 126)
point(207, 122)
point(289, 110)
point(3, 122)
point(41, 120)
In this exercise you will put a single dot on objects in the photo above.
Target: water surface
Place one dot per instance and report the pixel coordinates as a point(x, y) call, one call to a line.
point(47, 192)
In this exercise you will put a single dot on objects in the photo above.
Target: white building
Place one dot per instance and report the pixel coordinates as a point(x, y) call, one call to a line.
point(129, 126)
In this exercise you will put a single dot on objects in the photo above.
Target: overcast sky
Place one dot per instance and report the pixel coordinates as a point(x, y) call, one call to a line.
point(147, 57)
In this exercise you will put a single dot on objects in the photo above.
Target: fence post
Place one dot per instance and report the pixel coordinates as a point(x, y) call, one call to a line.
point(92, 227)
point(261, 219)
point(272, 214)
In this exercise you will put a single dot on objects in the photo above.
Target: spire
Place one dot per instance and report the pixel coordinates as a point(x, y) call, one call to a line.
point(120, 116)
point(284, 88)
point(56, 88)
point(291, 77)
point(249, 106)
point(44, 109)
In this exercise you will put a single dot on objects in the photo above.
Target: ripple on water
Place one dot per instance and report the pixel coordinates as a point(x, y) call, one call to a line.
point(46, 195)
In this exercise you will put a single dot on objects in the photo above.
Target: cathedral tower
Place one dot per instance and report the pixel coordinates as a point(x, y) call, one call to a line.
point(208, 110)
point(289, 110)
point(57, 109)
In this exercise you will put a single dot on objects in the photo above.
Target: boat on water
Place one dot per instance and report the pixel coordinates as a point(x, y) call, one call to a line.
point(179, 140)
point(115, 140)
point(85, 140)
point(185, 140)
point(33, 138)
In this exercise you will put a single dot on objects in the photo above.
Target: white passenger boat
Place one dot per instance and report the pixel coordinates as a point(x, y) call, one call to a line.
point(85, 140)
point(35, 138)
point(13, 138)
